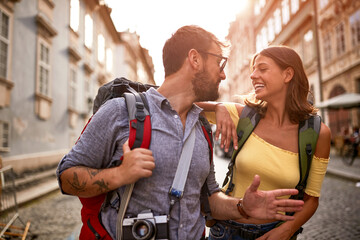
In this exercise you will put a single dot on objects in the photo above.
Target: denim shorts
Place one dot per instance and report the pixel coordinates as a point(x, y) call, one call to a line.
point(238, 231)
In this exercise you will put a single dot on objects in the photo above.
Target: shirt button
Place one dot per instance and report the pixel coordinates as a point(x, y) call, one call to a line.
point(176, 116)
point(181, 226)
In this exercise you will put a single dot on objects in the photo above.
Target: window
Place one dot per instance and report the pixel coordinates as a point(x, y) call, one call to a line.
point(262, 3)
point(4, 43)
point(285, 11)
point(109, 59)
point(277, 19)
point(323, 3)
point(141, 74)
point(308, 47)
point(355, 28)
point(73, 88)
point(327, 48)
point(44, 69)
point(88, 31)
point(264, 37)
point(259, 4)
point(4, 136)
point(294, 6)
point(271, 33)
point(308, 37)
point(88, 97)
point(74, 14)
point(256, 9)
point(258, 43)
point(340, 39)
point(101, 48)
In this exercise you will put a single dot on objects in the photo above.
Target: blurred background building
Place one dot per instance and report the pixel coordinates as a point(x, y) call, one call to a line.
point(326, 35)
point(54, 55)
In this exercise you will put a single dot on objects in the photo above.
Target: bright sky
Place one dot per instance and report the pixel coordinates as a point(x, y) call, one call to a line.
point(155, 20)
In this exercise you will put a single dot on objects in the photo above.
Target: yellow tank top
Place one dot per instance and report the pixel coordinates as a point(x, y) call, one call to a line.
point(277, 168)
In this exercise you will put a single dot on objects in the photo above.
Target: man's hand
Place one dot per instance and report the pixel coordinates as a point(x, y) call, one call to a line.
point(137, 163)
point(265, 205)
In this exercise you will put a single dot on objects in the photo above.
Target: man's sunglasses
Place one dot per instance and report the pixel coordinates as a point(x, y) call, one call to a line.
point(223, 61)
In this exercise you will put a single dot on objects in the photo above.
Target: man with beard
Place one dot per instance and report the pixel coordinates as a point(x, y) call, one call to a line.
point(194, 68)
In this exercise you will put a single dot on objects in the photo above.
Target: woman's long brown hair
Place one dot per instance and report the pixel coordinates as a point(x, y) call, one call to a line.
point(297, 105)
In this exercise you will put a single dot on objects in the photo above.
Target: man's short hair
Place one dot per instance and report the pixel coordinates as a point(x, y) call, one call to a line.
point(181, 42)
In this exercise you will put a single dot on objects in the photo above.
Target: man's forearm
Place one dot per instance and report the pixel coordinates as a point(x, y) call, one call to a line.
point(224, 207)
point(87, 182)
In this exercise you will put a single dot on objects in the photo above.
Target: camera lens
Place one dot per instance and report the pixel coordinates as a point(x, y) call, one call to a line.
point(142, 230)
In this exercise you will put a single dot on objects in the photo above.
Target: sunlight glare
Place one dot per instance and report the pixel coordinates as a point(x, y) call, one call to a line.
point(155, 21)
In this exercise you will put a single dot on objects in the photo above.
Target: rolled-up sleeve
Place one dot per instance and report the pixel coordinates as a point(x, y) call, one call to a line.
point(316, 176)
point(211, 182)
point(100, 144)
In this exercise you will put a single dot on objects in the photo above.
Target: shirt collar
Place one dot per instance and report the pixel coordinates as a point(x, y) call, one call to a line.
point(159, 100)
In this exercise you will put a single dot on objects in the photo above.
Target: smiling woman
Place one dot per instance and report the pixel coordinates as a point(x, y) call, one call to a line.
point(155, 21)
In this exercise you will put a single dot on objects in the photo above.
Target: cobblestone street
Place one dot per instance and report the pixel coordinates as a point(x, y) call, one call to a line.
point(57, 217)
point(54, 217)
point(338, 215)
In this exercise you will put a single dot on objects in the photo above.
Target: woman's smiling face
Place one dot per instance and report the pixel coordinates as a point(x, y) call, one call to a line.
point(268, 79)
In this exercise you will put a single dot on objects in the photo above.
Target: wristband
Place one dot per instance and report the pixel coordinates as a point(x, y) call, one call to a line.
point(241, 210)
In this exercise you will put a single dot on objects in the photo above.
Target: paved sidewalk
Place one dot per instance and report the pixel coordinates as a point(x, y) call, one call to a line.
point(338, 168)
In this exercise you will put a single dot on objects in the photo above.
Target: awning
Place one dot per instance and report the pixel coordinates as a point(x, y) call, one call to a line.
point(342, 101)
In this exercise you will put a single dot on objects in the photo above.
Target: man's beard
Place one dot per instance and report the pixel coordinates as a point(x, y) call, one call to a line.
point(204, 88)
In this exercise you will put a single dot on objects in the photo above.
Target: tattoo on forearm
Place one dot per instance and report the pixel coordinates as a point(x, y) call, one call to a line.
point(76, 183)
point(93, 172)
point(103, 187)
point(80, 187)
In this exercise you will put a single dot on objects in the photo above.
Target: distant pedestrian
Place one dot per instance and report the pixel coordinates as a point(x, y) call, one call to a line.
point(355, 141)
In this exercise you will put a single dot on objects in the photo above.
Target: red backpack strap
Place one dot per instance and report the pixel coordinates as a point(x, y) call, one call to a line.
point(84, 129)
point(139, 136)
point(139, 120)
point(208, 135)
point(205, 206)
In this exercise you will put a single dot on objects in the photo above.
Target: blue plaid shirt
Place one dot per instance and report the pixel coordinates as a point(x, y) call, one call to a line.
point(101, 145)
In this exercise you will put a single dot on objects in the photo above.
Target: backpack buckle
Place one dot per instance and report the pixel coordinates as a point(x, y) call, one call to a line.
point(308, 149)
point(175, 193)
point(140, 114)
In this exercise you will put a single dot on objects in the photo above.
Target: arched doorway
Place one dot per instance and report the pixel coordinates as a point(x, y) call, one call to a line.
point(339, 120)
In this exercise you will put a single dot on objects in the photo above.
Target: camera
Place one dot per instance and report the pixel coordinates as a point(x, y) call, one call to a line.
point(146, 226)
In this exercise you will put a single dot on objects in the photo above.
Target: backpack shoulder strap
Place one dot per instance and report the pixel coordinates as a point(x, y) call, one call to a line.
point(206, 128)
point(139, 136)
point(308, 136)
point(139, 120)
point(249, 118)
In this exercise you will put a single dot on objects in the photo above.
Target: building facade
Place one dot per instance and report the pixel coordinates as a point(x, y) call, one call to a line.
point(54, 55)
point(325, 33)
point(339, 27)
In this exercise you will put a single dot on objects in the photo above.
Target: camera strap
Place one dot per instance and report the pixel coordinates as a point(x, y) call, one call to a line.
point(122, 209)
point(177, 189)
